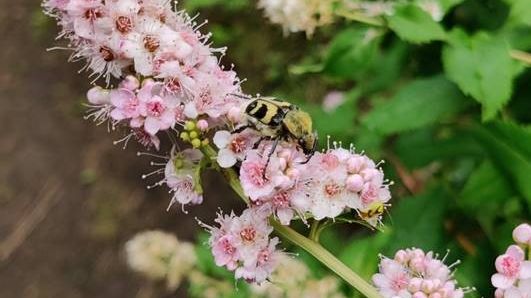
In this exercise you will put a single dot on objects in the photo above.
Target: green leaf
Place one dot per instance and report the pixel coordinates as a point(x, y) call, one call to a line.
point(482, 68)
point(233, 5)
point(484, 195)
point(361, 255)
point(341, 127)
point(448, 4)
point(520, 13)
point(509, 148)
point(418, 221)
point(351, 52)
point(413, 24)
point(422, 147)
point(369, 141)
point(205, 260)
point(475, 271)
point(420, 103)
point(387, 68)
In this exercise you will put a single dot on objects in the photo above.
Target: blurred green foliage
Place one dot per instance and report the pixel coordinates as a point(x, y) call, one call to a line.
point(444, 103)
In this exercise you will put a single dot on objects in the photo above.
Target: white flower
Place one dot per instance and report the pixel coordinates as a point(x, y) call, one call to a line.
point(233, 146)
point(160, 255)
point(298, 15)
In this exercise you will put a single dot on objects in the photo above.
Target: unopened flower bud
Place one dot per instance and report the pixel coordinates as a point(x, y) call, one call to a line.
point(368, 174)
point(401, 256)
point(355, 183)
point(130, 82)
point(189, 125)
point(147, 82)
point(522, 234)
point(202, 125)
point(196, 143)
point(414, 284)
point(185, 136)
point(98, 96)
point(354, 164)
point(193, 135)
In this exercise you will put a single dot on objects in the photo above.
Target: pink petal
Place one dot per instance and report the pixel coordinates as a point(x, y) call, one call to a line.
point(513, 293)
point(222, 138)
point(226, 158)
point(501, 281)
point(151, 125)
point(525, 270)
point(285, 215)
point(380, 280)
point(117, 114)
point(136, 122)
point(516, 252)
point(522, 233)
point(119, 97)
point(98, 96)
point(525, 286)
point(190, 110)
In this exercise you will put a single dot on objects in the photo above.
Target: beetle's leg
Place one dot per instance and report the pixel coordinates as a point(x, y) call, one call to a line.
point(241, 128)
point(277, 139)
point(313, 150)
point(262, 138)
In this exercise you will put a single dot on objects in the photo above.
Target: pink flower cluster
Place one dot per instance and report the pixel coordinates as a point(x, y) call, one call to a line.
point(242, 244)
point(167, 70)
point(513, 276)
point(169, 79)
point(329, 184)
point(412, 273)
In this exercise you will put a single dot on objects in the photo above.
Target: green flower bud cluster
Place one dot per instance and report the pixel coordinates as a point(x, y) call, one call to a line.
point(193, 135)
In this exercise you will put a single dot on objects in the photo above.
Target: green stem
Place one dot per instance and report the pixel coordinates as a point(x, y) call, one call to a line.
point(230, 175)
point(314, 231)
point(312, 247)
point(521, 56)
point(325, 257)
point(358, 17)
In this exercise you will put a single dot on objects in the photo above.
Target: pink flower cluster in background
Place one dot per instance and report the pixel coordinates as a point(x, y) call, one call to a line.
point(513, 276)
point(412, 273)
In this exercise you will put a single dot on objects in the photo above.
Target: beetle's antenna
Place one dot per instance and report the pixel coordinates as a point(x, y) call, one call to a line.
point(241, 96)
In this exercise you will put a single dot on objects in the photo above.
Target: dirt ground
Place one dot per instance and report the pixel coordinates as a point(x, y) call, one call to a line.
point(69, 199)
